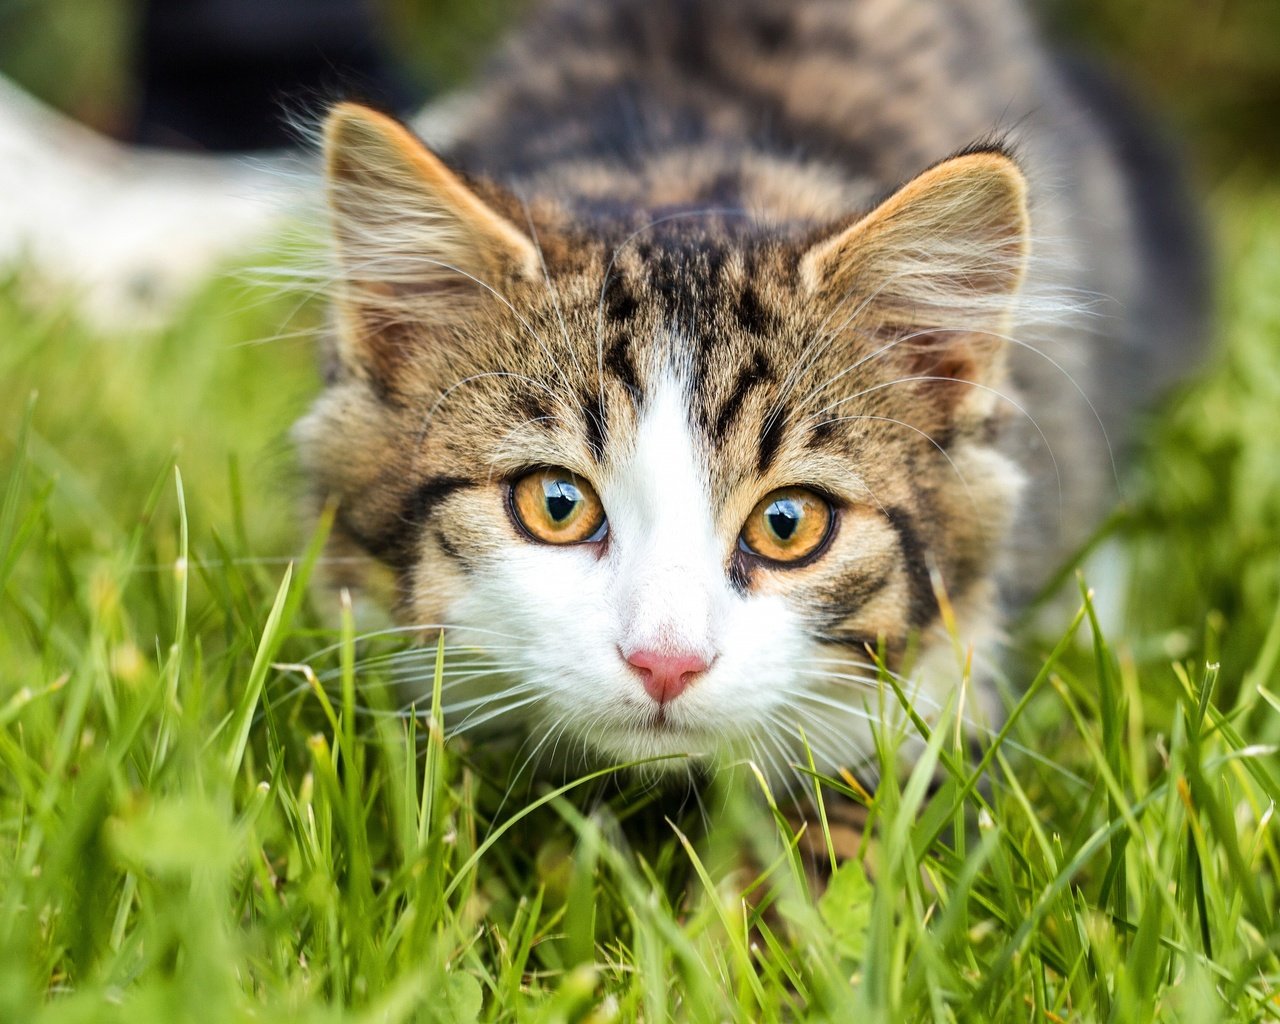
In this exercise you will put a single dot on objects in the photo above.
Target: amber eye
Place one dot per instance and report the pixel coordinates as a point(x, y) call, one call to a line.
point(556, 507)
point(787, 525)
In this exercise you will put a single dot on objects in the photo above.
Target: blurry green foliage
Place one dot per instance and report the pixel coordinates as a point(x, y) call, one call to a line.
point(77, 54)
point(1214, 65)
point(1205, 530)
point(441, 41)
point(74, 54)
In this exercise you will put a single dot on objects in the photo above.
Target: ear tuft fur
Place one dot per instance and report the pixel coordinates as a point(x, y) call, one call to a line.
point(418, 250)
point(404, 223)
point(948, 250)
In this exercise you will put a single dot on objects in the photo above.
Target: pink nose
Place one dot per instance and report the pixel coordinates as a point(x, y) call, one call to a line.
point(665, 676)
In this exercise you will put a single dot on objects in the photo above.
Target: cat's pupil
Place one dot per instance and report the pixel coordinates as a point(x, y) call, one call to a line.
point(783, 518)
point(562, 498)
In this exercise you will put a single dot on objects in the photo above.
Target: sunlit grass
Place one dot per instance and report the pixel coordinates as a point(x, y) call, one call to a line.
point(190, 831)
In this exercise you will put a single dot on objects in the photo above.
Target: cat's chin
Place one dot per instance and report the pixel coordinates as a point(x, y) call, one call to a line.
point(664, 747)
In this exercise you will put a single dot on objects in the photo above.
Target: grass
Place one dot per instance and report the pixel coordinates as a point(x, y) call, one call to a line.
point(190, 831)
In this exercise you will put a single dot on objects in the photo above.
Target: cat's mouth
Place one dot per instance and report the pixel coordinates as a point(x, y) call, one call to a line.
point(662, 736)
point(659, 722)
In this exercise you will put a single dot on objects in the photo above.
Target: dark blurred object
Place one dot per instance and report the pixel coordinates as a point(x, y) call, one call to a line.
point(224, 74)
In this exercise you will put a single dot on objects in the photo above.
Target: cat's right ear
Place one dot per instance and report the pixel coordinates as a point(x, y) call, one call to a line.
point(938, 264)
point(949, 245)
point(416, 245)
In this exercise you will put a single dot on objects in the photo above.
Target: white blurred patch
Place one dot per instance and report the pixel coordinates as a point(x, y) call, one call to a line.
point(131, 232)
point(1107, 572)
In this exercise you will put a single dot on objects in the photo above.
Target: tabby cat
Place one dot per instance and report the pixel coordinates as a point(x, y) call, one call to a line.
point(733, 355)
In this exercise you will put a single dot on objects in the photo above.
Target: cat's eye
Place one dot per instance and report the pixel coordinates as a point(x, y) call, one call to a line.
point(787, 525)
point(555, 507)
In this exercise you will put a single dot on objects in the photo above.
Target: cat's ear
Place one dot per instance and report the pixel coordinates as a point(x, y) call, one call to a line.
point(414, 241)
point(937, 265)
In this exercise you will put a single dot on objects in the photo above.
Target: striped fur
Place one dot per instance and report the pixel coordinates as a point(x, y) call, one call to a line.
point(765, 234)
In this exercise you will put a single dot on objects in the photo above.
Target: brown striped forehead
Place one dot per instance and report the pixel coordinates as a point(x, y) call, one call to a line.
point(729, 316)
point(571, 362)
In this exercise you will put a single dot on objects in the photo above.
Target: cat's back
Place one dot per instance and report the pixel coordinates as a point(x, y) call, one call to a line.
point(880, 87)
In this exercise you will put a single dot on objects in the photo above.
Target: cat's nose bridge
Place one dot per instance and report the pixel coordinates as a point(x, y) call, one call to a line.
point(670, 608)
point(669, 589)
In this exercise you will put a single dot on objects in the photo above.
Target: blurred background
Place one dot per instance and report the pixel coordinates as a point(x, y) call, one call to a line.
point(97, 60)
point(1211, 66)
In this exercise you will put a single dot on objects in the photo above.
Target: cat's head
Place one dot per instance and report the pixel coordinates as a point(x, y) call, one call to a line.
point(683, 473)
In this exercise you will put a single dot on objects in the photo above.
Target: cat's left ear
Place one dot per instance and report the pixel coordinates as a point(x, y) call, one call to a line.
point(938, 264)
point(418, 247)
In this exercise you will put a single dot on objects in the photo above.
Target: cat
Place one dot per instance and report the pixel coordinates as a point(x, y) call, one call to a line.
point(733, 356)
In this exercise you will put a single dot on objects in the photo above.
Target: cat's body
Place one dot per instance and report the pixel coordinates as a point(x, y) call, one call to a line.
point(681, 273)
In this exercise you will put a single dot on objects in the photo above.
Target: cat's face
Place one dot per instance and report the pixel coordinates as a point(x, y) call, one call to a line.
point(686, 481)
